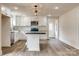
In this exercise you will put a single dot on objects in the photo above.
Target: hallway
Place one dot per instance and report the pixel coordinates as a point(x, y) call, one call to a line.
point(52, 48)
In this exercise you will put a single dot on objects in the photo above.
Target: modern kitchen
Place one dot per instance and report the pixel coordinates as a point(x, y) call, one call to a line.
point(34, 33)
point(37, 29)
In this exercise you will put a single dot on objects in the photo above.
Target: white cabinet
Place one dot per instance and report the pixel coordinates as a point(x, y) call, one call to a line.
point(26, 21)
point(19, 36)
point(42, 22)
point(22, 21)
point(43, 36)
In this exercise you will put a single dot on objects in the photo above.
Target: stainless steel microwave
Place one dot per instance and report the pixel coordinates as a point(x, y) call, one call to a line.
point(34, 23)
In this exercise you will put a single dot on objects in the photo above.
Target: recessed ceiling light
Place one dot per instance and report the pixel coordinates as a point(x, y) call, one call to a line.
point(49, 15)
point(15, 8)
point(2, 8)
point(56, 8)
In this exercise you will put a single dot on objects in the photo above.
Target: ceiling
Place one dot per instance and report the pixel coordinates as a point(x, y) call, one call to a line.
point(44, 9)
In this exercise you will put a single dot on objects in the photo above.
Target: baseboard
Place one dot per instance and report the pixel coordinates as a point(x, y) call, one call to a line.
point(6, 46)
point(69, 44)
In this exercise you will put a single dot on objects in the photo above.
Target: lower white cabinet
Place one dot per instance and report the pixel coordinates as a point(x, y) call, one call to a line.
point(19, 36)
point(43, 36)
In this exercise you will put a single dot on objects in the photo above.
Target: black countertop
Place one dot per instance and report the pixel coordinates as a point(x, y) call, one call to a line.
point(35, 32)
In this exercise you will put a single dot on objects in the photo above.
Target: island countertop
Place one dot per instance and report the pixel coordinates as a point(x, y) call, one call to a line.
point(35, 32)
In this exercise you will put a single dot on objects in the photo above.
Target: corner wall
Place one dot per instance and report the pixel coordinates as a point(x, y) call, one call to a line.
point(0, 36)
point(69, 28)
point(6, 31)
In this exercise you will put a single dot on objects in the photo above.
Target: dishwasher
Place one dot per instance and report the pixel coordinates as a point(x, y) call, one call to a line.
point(12, 38)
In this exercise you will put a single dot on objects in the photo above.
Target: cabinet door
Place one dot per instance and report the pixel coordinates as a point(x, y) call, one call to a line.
point(18, 20)
point(42, 22)
point(43, 37)
point(27, 21)
point(22, 21)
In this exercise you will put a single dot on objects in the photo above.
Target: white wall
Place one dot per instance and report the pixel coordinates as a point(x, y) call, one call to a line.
point(0, 36)
point(5, 31)
point(69, 28)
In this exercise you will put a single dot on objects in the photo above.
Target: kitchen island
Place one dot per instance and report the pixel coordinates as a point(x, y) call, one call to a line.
point(33, 40)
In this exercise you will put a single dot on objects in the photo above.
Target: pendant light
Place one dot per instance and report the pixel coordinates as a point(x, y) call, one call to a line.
point(36, 10)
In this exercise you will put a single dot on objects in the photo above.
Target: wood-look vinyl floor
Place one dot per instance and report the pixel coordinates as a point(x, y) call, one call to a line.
point(52, 48)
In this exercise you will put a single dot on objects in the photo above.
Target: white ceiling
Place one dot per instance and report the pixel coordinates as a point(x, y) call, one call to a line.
point(44, 9)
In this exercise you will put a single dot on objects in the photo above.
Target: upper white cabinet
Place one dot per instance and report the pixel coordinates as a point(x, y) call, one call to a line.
point(42, 21)
point(26, 21)
point(22, 21)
